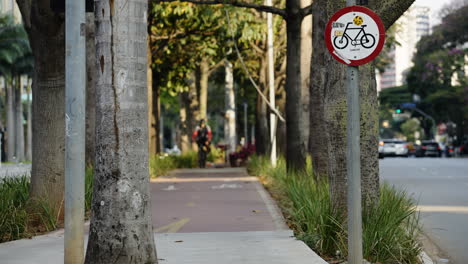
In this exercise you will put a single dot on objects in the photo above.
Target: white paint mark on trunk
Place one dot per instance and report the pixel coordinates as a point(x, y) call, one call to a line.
point(137, 200)
point(123, 186)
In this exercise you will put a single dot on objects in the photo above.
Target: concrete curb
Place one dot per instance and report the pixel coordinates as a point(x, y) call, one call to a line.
point(273, 209)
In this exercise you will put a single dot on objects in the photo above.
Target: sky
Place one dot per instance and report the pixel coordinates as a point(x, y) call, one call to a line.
point(435, 6)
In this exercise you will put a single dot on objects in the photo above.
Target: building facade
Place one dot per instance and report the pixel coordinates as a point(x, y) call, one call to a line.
point(11, 8)
point(414, 24)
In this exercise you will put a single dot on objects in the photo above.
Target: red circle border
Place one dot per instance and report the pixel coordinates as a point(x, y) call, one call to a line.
point(368, 12)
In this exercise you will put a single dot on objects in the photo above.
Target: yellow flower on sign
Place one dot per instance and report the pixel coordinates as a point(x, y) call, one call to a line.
point(358, 20)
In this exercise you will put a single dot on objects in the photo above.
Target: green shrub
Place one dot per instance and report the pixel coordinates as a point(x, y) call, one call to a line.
point(18, 212)
point(161, 164)
point(390, 229)
point(14, 194)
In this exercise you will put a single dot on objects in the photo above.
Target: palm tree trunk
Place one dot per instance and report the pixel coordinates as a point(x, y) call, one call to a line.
point(46, 32)
point(11, 128)
point(121, 229)
point(19, 137)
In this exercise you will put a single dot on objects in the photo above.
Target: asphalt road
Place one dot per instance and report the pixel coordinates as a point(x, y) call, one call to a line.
point(440, 185)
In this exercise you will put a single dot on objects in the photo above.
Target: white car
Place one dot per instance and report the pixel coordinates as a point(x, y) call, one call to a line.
point(393, 147)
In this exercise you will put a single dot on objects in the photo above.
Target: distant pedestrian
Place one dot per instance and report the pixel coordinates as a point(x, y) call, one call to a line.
point(202, 136)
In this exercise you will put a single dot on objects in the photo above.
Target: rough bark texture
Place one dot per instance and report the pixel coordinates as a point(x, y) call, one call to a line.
point(10, 121)
point(90, 90)
point(19, 137)
point(318, 140)
point(329, 96)
point(296, 149)
point(121, 230)
point(46, 32)
point(29, 127)
point(230, 115)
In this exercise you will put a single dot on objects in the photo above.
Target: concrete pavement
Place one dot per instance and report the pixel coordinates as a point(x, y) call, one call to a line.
point(14, 170)
point(208, 216)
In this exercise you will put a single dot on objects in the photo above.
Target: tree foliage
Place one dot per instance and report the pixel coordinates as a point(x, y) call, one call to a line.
point(182, 34)
point(15, 53)
point(438, 74)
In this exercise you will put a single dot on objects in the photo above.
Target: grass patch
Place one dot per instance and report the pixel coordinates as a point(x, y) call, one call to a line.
point(390, 229)
point(14, 194)
point(21, 217)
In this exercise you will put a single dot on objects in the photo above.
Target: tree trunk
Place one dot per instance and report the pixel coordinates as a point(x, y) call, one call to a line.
point(204, 73)
point(319, 76)
point(19, 137)
point(46, 32)
point(296, 142)
point(185, 131)
point(29, 126)
point(11, 128)
point(153, 139)
point(121, 230)
point(306, 55)
point(230, 116)
point(262, 134)
point(328, 81)
point(90, 90)
point(262, 129)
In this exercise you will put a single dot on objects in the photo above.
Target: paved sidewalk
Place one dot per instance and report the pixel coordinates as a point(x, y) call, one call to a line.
point(210, 216)
point(14, 170)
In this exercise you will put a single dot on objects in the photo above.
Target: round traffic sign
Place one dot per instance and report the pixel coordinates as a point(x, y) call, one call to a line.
point(355, 35)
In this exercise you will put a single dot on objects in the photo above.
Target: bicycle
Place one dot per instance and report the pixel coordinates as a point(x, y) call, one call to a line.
point(367, 40)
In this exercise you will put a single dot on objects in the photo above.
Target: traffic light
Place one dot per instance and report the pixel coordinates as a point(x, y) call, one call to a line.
point(398, 111)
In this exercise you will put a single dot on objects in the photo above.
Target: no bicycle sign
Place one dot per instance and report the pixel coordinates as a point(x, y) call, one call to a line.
point(355, 35)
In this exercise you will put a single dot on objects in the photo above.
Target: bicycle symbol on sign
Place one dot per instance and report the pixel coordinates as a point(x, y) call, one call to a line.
point(342, 39)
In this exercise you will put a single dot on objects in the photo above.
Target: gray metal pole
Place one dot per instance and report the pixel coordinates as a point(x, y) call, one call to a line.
point(75, 77)
point(246, 133)
point(353, 158)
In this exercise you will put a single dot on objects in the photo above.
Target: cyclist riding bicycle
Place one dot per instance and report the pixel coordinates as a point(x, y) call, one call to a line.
point(202, 136)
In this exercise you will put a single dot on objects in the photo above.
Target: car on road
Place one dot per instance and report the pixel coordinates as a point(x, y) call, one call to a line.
point(429, 148)
point(394, 147)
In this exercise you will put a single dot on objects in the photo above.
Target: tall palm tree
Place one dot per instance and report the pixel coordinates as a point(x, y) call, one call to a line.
point(13, 46)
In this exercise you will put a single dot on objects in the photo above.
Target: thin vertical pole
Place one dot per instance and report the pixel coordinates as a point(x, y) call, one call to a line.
point(271, 84)
point(75, 77)
point(353, 158)
point(246, 133)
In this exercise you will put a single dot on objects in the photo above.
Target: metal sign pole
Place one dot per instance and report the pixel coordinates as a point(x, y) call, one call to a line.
point(353, 158)
point(75, 77)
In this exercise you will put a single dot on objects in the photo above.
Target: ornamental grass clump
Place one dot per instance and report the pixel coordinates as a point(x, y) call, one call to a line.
point(390, 228)
point(14, 194)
